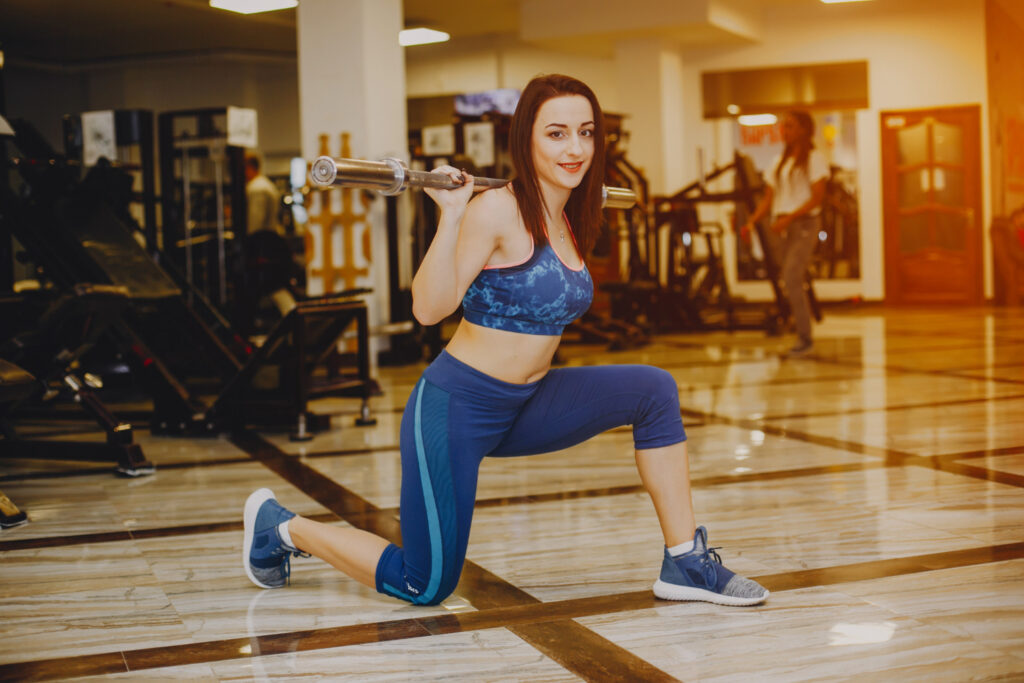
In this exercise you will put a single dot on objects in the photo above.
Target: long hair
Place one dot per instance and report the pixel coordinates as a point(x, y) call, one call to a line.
point(801, 148)
point(584, 205)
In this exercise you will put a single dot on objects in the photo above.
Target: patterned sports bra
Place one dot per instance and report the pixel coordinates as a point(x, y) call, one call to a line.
point(540, 295)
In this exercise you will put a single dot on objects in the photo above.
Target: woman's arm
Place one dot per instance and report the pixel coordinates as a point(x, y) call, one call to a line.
point(763, 207)
point(465, 239)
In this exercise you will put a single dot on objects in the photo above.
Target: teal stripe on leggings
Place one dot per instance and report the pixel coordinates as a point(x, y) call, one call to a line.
point(433, 522)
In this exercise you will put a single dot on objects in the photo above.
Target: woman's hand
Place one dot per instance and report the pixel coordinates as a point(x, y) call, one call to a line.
point(454, 200)
point(782, 223)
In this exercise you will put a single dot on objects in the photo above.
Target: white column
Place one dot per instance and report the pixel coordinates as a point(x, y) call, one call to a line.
point(352, 79)
point(352, 75)
point(650, 89)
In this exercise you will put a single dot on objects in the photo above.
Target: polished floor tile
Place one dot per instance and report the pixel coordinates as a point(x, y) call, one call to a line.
point(877, 486)
point(804, 635)
point(926, 430)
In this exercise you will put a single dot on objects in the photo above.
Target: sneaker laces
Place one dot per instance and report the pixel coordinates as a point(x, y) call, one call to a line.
point(708, 559)
point(287, 562)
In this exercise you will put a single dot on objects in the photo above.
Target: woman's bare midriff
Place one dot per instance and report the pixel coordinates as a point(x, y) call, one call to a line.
point(509, 356)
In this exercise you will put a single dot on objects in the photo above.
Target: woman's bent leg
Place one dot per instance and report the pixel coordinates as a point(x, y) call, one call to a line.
point(353, 551)
point(446, 430)
point(665, 473)
point(574, 404)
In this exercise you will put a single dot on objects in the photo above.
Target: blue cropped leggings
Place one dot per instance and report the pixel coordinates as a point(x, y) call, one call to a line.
point(458, 415)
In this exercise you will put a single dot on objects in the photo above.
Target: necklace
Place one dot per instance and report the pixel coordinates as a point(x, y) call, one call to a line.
point(561, 235)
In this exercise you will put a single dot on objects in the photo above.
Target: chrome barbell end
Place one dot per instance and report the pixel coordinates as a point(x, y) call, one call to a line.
point(323, 171)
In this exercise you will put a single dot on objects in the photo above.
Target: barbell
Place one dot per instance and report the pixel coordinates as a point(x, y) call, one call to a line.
point(391, 176)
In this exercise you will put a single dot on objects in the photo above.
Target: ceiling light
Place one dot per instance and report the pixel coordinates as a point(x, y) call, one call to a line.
point(421, 36)
point(253, 6)
point(758, 120)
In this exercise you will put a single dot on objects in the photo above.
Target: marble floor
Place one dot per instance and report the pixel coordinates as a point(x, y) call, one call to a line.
point(876, 488)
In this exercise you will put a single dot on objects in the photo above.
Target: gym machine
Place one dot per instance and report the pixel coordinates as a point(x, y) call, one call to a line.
point(678, 290)
point(51, 348)
point(135, 185)
point(75, 237)
point(619, 244)
point(203, 202)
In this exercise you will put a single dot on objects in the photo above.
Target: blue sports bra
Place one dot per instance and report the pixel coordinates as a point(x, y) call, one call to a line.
point(540, 295)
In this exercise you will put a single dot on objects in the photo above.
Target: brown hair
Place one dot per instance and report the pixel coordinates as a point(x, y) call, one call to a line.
point(801, 149)
point(584, 205)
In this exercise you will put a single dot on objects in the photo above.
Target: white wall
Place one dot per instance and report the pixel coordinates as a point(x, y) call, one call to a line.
point(476, 65)
point(42, 96)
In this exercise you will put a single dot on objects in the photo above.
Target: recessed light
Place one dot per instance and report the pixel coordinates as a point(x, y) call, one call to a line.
point(253, 6)
point(421, 36)
point(758, 120)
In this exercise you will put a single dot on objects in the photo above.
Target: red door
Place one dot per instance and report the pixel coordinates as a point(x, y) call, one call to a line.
point(931, 196)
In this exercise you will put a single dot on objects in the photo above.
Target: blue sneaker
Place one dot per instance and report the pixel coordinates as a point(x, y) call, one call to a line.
point(699, 575)
point(266, 558)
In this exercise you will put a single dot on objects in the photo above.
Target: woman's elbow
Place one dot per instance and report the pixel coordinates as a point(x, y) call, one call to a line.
point(425, 318)
point(428, 313)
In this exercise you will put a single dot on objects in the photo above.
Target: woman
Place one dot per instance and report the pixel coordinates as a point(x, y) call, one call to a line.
point(513, 257)
point(794, 192)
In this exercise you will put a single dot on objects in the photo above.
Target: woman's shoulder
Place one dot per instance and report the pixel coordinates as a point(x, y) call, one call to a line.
point(495, 208)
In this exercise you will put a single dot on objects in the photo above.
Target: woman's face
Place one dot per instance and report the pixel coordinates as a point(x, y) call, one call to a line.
point(792, 131)
point(563, 141)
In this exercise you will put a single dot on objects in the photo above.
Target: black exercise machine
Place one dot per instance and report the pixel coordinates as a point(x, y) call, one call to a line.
point(183, 354)
point(51, 348)
point(681, 290)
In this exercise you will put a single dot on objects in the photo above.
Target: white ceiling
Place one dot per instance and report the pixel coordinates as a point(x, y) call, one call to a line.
point(68, 32)
point(76, 31)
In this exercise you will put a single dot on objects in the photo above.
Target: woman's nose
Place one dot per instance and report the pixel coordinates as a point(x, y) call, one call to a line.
point(575, 145)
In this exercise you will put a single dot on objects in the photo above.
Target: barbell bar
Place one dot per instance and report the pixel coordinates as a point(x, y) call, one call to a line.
point(391, 176)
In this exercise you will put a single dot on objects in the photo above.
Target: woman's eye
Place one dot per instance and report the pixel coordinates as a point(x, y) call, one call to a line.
point(587, 133)
point(557, 133)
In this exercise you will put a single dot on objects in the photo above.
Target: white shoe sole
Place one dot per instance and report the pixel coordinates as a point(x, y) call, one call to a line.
point(252, 508)
point(670, 591)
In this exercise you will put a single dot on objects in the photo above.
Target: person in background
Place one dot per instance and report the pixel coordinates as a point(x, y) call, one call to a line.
point(1008, 253)
point(794, 190)
point(263, 198)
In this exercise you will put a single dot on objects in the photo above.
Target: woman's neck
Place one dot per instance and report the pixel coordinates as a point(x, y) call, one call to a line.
point(555, 199)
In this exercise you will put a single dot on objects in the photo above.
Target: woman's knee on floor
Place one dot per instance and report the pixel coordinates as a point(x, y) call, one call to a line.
point(429, 587)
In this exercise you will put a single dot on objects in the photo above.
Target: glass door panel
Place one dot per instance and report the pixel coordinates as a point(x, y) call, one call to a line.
point(914, 187)
point(949, 186)
point(913, 144)
point(948, 143)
